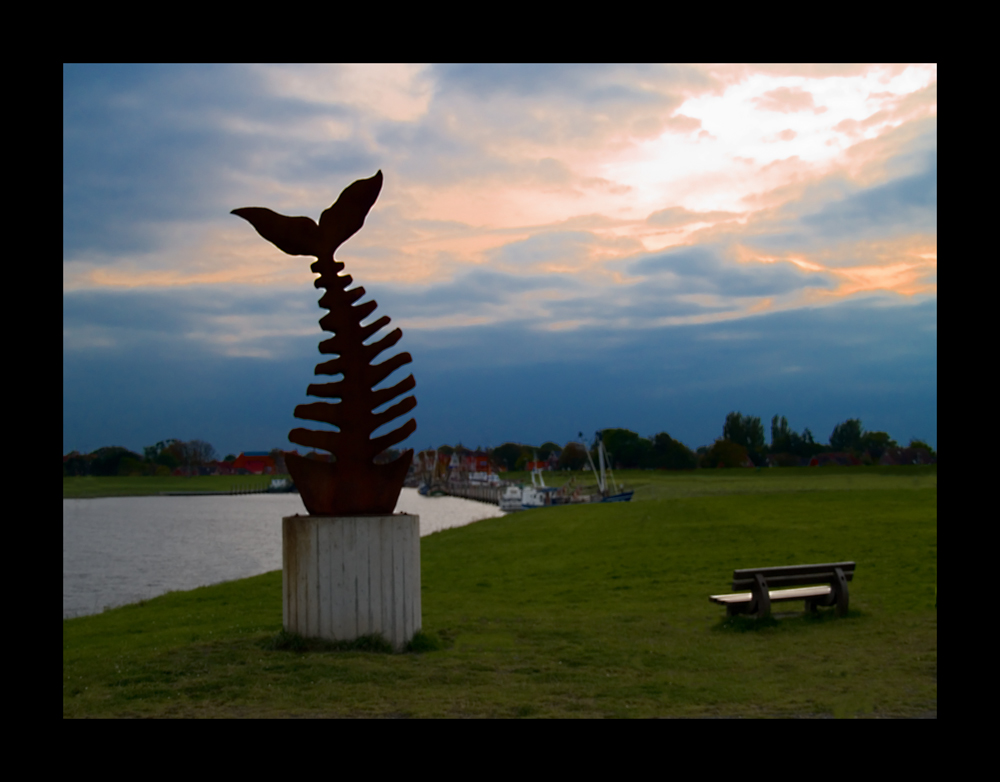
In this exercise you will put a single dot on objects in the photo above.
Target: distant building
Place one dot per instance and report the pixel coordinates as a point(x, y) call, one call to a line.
point(255, 463)
point(841, 459)
point(900, 456)
point(476, 461)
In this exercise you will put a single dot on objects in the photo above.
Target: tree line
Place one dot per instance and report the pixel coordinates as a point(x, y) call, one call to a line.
point(163, 458)
point(743, 440)
point(741, 444)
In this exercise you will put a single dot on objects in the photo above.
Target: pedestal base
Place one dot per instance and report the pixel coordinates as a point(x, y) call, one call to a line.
point(349, 576)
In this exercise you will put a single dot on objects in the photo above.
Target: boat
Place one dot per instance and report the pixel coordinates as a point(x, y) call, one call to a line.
point(538, 495)
point(435, 489)
point(520, 497)
point(606, 495)
point(510, 500)
point(433, 476)
point(281, 486)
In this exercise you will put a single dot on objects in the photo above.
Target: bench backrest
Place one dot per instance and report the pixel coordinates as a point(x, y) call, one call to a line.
point(792, 575)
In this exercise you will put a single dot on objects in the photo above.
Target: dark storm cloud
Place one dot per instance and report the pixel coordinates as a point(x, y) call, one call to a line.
point(153, 144)
point(866, 359)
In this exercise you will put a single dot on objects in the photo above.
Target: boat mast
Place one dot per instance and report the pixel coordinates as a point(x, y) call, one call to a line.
point(600, 455)
point(598, 477)
point(611, 472)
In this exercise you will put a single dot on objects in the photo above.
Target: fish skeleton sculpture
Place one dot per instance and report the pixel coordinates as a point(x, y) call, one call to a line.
point(352, 484)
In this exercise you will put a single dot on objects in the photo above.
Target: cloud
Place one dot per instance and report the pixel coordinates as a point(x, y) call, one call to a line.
point(531, 213)
point(866, 359)
point(169, 322)
point(400, 92)
point(907, 204)
point(788, 100)
point(678, 216)
point(682, 124)
point(705, 270)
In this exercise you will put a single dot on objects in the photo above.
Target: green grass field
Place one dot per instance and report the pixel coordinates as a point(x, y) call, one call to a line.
point(137, 486)
point(585, 611)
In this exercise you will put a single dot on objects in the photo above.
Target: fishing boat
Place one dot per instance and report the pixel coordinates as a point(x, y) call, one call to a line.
point(281, 486)
point(510, 500)
point(606, 494)
point(434, 489)
point(538, 495)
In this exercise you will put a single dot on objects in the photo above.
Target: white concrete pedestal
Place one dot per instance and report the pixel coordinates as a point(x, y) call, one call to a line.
point(348, 576)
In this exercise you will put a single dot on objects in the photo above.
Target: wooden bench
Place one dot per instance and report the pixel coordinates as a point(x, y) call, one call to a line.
point(818, 585)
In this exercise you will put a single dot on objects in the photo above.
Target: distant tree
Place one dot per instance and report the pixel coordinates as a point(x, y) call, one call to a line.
point(192, 454)
point(876, 443)
point(846, 436)
point(151, 452)
point(626, 449)
point(748, 432)
point(506, 455)
point(446, 449)
point(546, 449)
point(725, 453)
point(76, 463)
point(165, 453)
point(809, 445)
point(230, 457)
point(200, 452)
point(131, 466)
point(108, 460)
point(573, 457)
point(671, 454)
point(785, 440)
point(782, 438)
point(914, 443)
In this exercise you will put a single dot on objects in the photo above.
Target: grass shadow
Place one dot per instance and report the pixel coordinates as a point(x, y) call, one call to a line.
point(786, 620)
point(293, 642)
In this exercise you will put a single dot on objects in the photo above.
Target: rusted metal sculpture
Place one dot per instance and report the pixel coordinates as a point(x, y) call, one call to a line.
point(352, 484)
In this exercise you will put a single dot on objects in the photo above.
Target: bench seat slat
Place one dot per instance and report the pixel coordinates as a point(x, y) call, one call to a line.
point(776, 594)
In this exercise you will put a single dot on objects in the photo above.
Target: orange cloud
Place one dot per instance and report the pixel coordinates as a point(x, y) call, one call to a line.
point(788, 100)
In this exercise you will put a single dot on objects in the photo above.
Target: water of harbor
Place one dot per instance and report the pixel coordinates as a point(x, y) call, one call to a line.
point(119, 550)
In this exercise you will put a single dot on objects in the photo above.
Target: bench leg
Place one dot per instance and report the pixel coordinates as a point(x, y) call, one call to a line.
point(761, 597)
point(840, 591)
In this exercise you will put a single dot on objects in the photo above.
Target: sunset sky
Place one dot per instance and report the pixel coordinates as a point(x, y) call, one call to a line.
point(565, 247)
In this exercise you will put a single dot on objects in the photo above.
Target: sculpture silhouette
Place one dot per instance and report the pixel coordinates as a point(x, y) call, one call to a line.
point(352, 484)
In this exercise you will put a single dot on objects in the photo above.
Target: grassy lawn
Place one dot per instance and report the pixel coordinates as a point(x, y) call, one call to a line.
point(133, 486)
point(663, 484)
point(586, 611)
point(648, 484)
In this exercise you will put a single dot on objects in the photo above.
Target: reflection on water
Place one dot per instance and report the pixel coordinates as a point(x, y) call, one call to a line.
point(119, 550)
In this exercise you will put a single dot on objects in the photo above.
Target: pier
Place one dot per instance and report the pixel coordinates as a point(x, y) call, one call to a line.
point(480, 493)
point(244, 488)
